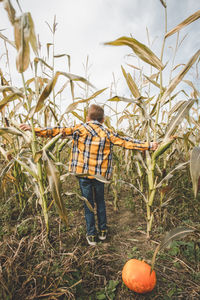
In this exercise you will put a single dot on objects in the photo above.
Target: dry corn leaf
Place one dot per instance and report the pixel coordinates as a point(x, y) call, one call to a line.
point(170, 236)
point(55, 187)
point(74, 105)
point(22, 34)
point(176, 107)
point(82, 198)
point(23, 58)
point(8, 99)
point(196, 93)
point(37, 59)
point(134, 67)
point(186, 22)
point(50, 86)
point(131, 84)
point(30, 170)
point(123, 99)
point(163, 3)
point(181, 166)
point(195, 169)
point(180, 76)
point(46, 92)
point(77, 116)
point(176, 120)
point(10, 10)
point(141, 50)
point(6, 88)
point(7, 40)
point(150, 79)
point(32, 36)
point(74, 77)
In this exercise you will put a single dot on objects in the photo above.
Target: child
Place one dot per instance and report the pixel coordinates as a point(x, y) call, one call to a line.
point(92, 154)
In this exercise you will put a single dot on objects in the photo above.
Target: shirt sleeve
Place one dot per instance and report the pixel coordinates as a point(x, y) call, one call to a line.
point(127, 142)
point(51, 132)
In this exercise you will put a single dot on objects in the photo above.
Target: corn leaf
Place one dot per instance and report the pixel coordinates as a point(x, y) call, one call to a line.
point(76, 78)
point(179, 77)
point(77, 116)
point(142, 51)
point(174, 234)
point(170, 236)
point(22, 32)
point(97, 177)
point(123, 99)
point(131, 84)
point(196, 93)
point(27, 168)
point(50, 86)
point(12, 130)
point(7, 40)
point(82, 198)
point(195, 168)
point(150, 79)
point(10, 10)
point(186, 22)
point(6, 154)
point(74, 105)
point(32, 36)
point(55, 187)
point(176, 120)
point(163, 3)
point(46, 92)
point(8, 99)
point(37, 60)
point(170, 174)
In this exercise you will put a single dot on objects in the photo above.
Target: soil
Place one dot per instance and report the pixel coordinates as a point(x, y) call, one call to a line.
point(63, 266)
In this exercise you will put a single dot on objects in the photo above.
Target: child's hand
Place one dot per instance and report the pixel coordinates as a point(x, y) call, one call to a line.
point(153, 146)
point(25, 127)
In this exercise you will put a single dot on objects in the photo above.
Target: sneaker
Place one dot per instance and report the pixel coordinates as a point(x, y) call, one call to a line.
point(102, 234)
point(91, 239)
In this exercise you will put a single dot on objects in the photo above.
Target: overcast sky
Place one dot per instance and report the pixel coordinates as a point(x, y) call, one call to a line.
point(84, 25)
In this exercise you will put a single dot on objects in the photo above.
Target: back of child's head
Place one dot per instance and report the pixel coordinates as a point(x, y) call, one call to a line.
point(96, 113)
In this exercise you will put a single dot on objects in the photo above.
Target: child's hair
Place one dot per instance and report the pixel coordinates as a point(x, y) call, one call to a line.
point(96, 113)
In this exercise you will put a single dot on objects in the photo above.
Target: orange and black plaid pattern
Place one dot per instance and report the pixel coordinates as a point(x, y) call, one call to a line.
point(92, 147)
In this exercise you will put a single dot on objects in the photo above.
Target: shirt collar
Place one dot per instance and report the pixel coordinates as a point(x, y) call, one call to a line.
point(94, 122)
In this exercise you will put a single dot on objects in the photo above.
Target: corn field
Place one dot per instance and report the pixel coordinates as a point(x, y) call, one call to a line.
point(42, 250)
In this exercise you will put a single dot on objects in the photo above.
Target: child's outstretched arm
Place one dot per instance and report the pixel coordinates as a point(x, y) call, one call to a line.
point(50, 132)
point(129, 143)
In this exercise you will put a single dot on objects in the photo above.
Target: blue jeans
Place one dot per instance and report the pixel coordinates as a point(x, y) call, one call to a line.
point(93, 190)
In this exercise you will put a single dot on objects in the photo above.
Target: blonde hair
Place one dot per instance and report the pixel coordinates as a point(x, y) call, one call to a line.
point(96, 113)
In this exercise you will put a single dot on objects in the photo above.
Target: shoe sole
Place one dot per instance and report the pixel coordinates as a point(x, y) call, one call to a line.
point(102, 238)
point(91, 243)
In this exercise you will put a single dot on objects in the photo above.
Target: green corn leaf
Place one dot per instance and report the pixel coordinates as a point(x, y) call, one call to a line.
point(162, 148)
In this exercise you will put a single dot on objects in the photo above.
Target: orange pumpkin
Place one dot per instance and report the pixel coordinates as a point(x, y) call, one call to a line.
point(137, 276)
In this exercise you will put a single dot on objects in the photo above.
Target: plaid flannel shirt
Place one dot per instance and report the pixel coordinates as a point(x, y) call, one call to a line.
point(92, 145)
